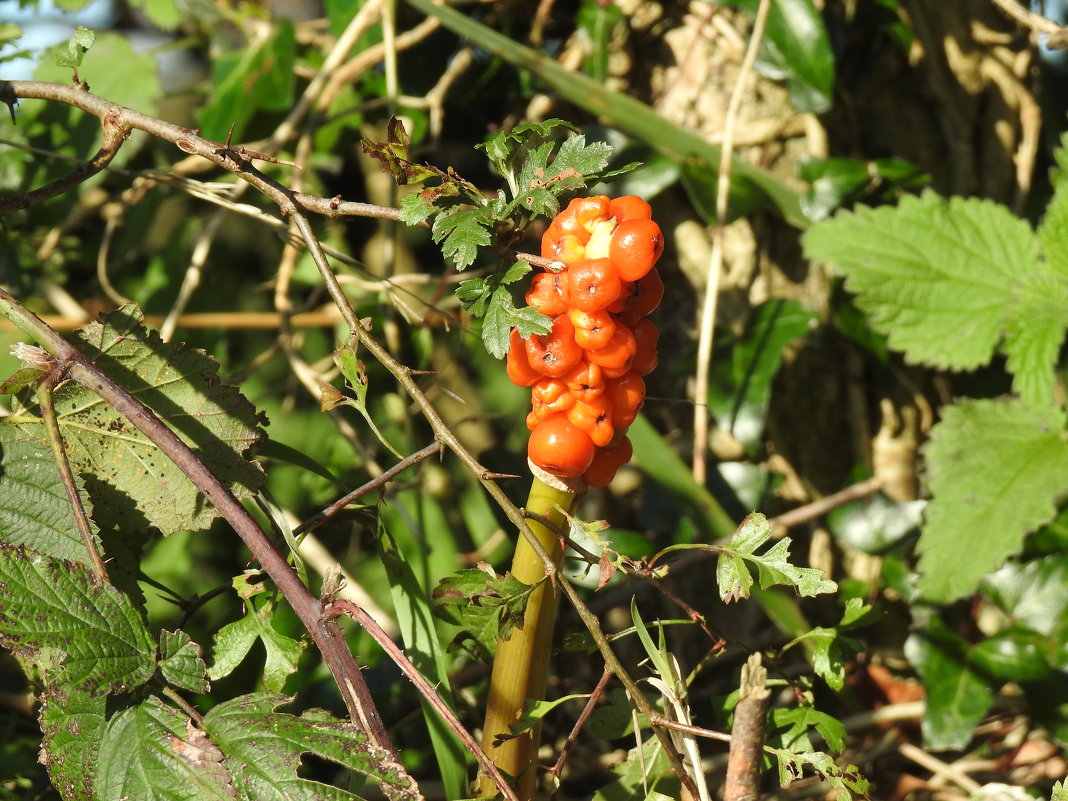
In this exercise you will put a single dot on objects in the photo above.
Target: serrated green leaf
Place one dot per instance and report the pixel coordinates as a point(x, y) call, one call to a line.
point(957, 694)
point(263, 748)
point(474, 293)
point(828, 650)
point(995, 470)
point(80, 632)
point(773, 566)
point(515, 271)
point(34, 509)
point(131, 482)
point(486, 605)
point(502, 316)
point(152, 751)
point(72, 725)
point(355, 373)
point(414, 208)
point(1060, 791)
point(461, 234)
point(180, 662)
point(936, 276)
point(234, 640)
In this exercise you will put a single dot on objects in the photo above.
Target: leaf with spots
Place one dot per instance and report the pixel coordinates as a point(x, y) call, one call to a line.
point(72, 723)
point(132, 483)
point(76, 631)
point(153, 751)
point(34, 509)
point(180, 662)
point(263, 749)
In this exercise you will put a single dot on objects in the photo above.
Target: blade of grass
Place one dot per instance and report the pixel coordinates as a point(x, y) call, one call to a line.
point(630, 115)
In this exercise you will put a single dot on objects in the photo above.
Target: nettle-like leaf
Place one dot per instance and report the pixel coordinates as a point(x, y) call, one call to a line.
point(773, 566)
point(234, 640)
point(461, 233)
point(486, 605)
point(153, 751)
point(948, 281)
point(131, 482)
point(72, 726)
point(34, 509)
point(180, 662)
point(79, 632)
point(995, 470)
point(263, 747)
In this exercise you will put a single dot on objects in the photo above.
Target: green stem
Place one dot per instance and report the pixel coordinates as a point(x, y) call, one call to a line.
point(521, 664)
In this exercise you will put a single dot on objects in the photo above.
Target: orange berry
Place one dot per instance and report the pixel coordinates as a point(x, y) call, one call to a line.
point(635, 247)
point(549, 293)
point(595, 418)
point(607, 461)
point(518, 365)
point(585, 380)
point(555, 353)
point(594, 284)
point(645, 356)
point(551, 395)
point(593, 329)
point(616, 355)
point(560, 447)
point(627, 395)
point(629, 207)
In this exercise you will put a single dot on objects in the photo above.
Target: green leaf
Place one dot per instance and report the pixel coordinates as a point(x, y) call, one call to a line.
point(1013, 654)
point(34, 509)
point(263, 749)
point(516, 270)
point(81, 633)
point(798, 721)
point(164, 14)
point(486, 605)
point(1033, 595)
point(414, 208)
point(846, 782)
point(461, 234)
point(797, 48)
point(180, 662)
point(253, 75)
point(957, 694)
point(995, 471)
point(131, 482)
point(534, 711)
point(940, 278)
point(152, 751)
point(502, 316)
point(77, 46)
point(740, 394)
point(72, 725)
point(574, 161)
point(773, 566)
point(645, 768)
point(234, 640)
point(393, 153)
point(829, 647)
point(1060, 791)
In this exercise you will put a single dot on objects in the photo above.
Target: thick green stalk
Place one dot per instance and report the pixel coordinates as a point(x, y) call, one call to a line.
point(521, 665)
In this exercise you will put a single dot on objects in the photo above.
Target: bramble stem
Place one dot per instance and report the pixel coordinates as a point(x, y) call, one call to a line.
point(521, 664)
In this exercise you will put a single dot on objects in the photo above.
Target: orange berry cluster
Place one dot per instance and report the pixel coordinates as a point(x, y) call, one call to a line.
point(586, 374)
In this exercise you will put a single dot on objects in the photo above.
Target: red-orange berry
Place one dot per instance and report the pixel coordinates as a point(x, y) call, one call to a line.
point(555, 353)
point(593, 329)
point(549, 293)
point(560, 447)
point(635, 247)
point(595, 418)
point(617, 354)
point(585, 380)
point(627, 396)
point(645, 338)
point(594, 284)
point(518, 366)
point(629, 207)
point(607, 461)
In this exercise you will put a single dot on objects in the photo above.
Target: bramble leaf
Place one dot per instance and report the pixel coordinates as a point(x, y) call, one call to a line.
point(234, 640)
point(131, 482)
point(486, 605)
point(996, 470)
point(34, 509)
point(81, 633)
point(154, 751)
point(180, 662)
point(263, 747)
point(948, 280)
point(72, 725)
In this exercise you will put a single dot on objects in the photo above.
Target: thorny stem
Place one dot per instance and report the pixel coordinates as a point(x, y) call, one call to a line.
point(340, 606)
point(55, 440)
point(378, 481)
point(327, 636)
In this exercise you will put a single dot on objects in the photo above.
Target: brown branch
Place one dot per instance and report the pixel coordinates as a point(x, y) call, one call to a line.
point(378, 481)
point(747, 734)
point(822, 506)
point(327, 636)
point(115, 133)
point(587, 710)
